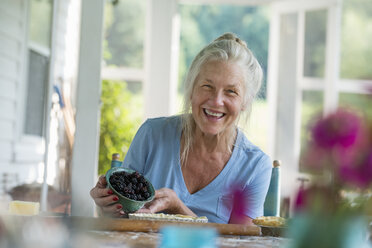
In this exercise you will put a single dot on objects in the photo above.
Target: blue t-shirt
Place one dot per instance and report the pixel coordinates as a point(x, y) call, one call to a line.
point(155, 152)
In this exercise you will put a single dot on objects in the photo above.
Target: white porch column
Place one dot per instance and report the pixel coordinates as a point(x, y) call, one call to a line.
point(161, 58)
point(85, 151)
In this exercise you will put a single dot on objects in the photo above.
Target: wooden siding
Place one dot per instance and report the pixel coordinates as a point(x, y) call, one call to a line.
point(12, 33)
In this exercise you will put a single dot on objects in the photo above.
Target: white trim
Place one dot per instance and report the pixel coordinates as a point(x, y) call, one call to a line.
point(162, 38)
point(354, 86)
point(123, 73)
point(48, 106)
point(22, 83)
point(272, 81)
point(229, 2)
point(332, 65)
point(298, 97)
point(42, 50)
point(290, 6)
point(86, 145)
point(308, 83)
point(300, 47)
point(341, 85)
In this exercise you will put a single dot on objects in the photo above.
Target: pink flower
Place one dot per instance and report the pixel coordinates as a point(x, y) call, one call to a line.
point(339, 129)
point(357, 171)
point(315, 159)
point(300, 201)
point(239, 206)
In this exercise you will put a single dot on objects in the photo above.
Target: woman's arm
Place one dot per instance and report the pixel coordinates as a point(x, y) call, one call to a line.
point(166, 200)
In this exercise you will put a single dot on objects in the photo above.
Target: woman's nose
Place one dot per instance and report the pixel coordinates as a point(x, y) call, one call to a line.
point(217, 98)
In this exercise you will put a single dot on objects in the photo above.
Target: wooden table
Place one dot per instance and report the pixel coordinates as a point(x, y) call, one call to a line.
point(124, 233)
point(108, 239)
point(107, 232)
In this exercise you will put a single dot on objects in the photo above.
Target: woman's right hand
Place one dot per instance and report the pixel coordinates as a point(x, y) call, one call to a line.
point(105, 199)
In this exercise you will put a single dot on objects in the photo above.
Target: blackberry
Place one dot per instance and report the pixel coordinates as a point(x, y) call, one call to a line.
point(131, 185)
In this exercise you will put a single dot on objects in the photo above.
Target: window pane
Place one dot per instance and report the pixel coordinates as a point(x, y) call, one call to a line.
point(315, 42)
point(356, 37)
point(41, 22)
point(124, 33)
point(312, 106)
point(359, 102)
point(37, 85)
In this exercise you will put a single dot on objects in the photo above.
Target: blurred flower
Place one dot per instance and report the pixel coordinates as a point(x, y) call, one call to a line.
point(335, 205)
point(357, 172)
point(239, 206)
point(341, 128)
point(300, 201)
point(341, 147)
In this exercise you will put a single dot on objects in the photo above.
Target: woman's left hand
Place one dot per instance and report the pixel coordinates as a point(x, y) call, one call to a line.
point(166, 200)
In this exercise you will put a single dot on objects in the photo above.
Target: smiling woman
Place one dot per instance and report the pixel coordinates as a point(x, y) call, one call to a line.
point(217, 96)
point(196, 160)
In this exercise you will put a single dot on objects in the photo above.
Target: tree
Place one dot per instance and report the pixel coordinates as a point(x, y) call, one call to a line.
point(200, 24)
point(124, 33)
point(120, 120)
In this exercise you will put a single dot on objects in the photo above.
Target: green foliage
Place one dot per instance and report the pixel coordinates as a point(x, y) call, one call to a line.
point(120, 120)
point(40, 22)
point(200, 24)
point(356, 36)
point(124, 33)
point(315, 41)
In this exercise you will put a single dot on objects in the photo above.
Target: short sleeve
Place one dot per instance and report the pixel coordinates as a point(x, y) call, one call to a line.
point(139, 149)
point(256, 190)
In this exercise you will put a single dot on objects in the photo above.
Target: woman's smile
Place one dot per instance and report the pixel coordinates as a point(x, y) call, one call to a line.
point(213, 114)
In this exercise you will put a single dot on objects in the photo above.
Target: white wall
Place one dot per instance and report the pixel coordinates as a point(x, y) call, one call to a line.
point(12, 29)
point(20, 154)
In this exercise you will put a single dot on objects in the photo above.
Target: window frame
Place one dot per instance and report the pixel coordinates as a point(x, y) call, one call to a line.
point(331, 85)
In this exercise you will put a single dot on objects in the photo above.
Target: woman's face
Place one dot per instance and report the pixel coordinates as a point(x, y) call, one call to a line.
point(217, 97)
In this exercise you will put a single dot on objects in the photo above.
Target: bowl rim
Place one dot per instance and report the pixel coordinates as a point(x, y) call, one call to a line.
point(116, 169)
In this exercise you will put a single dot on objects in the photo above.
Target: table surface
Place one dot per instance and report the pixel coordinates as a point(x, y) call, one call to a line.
point(108, 239)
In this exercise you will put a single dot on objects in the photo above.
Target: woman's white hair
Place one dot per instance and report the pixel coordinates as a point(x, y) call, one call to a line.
point(227, 47)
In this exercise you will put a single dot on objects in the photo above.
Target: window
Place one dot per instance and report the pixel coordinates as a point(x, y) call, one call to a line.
point(323, 62)
point(38, 70)
point(36, 93)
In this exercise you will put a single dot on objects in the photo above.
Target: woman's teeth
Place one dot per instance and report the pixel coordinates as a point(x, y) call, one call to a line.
point(213, 114)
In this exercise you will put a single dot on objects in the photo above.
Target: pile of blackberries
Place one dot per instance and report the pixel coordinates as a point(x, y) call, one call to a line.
point(131, 185)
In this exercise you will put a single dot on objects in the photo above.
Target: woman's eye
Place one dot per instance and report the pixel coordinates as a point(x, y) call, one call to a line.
point(232, 92)
point(207, 86)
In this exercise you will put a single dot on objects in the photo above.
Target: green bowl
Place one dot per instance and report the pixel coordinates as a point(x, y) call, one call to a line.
point(129, 205)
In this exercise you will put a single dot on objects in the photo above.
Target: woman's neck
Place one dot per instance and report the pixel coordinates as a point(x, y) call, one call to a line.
point(215, 143)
